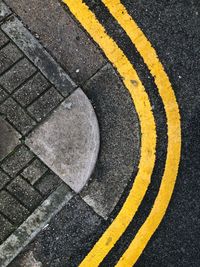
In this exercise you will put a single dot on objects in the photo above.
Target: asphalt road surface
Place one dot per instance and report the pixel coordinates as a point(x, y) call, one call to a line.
point(98, 52)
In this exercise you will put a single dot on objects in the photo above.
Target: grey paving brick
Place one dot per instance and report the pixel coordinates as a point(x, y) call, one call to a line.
point(3, 38)
point(4, 179)
point(47, 102)
point(48, 183)
point(34, 171)
point(17, 160)
point(15, 76)
point(31, 89)
point(9, 54)
point(12, 209)
point(9, 138)
point(25, 193)
point(4, 11)
point(17, 116)
point(6, 228)
point(3, 95)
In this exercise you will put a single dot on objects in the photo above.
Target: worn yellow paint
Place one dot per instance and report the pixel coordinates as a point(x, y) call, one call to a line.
point(148, 132)
point(174, 131)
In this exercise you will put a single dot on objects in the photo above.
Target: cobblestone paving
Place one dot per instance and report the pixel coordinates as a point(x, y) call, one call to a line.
point(26, 99)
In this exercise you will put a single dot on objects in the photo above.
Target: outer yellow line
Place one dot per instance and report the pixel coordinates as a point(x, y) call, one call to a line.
point(174, 131)
point(148, 139)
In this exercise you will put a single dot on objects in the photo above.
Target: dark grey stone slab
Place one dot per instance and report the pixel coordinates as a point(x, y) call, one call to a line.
point(65, 39)
point(3, 95)
point(17, 116)
point(3, 38)
point(68, 141)
point(4, 179)
point(31, 89)
point(38, 55)
point(48, 183)
point(17, 160)
point(4, 11)
point(5, 229)
point(17, 75)
point(23, 191)
point(66, 239)
point(12, 209)
point(33, 225)
point(34, 171)
point(9, 54)
point(120, 141)
point(46, 103)
point(9, 138)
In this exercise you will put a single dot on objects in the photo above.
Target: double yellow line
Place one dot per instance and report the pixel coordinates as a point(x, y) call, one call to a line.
point(148, 132)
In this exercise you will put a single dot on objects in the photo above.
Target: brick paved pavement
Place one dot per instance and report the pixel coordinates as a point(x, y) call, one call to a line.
point(26, 99)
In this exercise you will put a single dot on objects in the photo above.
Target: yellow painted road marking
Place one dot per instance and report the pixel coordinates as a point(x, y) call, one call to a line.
point(174, 131)
point(148, 138)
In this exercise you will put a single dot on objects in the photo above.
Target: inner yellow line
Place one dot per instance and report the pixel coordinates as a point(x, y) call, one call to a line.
point(174, 131)
point(148, 132)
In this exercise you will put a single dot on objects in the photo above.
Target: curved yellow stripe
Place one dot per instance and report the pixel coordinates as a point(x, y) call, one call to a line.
point(174, 131)
point(148, 138)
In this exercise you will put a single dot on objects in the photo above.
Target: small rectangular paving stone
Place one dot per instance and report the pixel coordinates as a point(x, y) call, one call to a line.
point(34, 171)
point(48, 183)
point(5, 229)
point(9, 54)
point(12, 209)
point(15, 76)
point(3, 95)
point(17, 160)
point(25, 193)
point(4, 11)
point(4, 179)
point(31, 89)
point(47, 102)
point(3, 38)
point(17, 116)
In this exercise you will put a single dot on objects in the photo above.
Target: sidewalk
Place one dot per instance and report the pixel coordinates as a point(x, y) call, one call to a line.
point(50, 135)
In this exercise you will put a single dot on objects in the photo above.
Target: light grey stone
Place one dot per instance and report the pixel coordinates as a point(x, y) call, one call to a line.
point(68, 141)
point(4, 11)
point(9, 138)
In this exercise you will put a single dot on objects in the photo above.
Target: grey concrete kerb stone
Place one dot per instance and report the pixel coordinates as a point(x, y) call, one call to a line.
point(68, 141)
